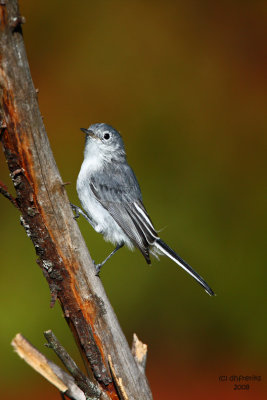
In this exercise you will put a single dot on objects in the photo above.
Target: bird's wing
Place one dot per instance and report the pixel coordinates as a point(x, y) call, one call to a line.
point(117, 189)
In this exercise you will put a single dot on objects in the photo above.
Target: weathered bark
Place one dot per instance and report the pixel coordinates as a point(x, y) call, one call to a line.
point(47, 368)
point(47, 218)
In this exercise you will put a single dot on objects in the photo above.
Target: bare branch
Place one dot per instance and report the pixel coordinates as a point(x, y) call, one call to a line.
point(48, 221)
point(4, 191)
point(89, 389)
point(73, 392)
point(49, 370)
point(37, 361)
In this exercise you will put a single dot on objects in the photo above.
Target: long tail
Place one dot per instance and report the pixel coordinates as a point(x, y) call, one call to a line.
point(165, 249)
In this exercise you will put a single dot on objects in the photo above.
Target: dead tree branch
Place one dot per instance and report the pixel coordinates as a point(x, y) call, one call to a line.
point(49, 370)
point(47, 218)
point(89, 389)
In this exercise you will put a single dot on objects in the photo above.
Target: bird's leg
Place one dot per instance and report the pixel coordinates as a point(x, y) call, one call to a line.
point(78, 211)
point(99, 266)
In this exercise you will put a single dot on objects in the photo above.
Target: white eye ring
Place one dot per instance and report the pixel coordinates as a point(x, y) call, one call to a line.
point(106, 135)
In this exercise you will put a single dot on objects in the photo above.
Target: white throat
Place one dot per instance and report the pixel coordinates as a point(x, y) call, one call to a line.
point(93, 158)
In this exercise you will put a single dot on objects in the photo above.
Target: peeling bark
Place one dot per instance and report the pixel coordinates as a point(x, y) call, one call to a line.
point(48, 221)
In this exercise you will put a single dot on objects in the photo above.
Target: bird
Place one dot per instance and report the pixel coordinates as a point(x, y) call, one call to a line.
point(111, 198)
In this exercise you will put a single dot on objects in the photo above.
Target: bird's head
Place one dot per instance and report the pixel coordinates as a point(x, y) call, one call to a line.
point(104, 140)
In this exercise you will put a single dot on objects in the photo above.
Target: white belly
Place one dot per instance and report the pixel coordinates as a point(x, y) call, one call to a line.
point(103, 222)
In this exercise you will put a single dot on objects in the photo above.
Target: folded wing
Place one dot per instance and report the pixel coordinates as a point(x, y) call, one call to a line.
point(120, 195)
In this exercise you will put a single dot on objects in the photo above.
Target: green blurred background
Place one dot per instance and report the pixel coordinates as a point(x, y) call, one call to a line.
point(185, 84)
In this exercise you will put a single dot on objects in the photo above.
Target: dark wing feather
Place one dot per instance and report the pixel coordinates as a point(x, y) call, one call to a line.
point(117, 189)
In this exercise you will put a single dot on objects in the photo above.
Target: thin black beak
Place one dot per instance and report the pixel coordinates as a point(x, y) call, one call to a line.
point(87, 132)
point(84, 130)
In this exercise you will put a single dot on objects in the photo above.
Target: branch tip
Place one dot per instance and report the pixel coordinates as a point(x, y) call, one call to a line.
point(4, 191)
point(36, 360)
point(139, 351)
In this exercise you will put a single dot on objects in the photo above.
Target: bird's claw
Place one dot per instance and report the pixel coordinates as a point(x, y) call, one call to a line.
point(97, 268)
point(75, 209)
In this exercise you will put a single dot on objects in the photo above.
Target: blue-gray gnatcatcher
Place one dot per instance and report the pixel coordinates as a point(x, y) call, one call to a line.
point(111, 197)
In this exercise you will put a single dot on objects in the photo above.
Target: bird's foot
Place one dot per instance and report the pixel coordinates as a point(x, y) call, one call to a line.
point(76, 210)
point(97, 268)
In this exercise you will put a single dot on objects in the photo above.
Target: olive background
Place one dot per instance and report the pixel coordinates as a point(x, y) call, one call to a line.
point(185, 84)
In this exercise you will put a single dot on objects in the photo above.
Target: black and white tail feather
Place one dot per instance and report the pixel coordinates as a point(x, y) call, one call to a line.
point(111, 196)
point(165, 249)
point(157, 246)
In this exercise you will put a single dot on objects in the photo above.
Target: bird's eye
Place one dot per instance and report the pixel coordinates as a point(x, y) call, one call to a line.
point(106, 136)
